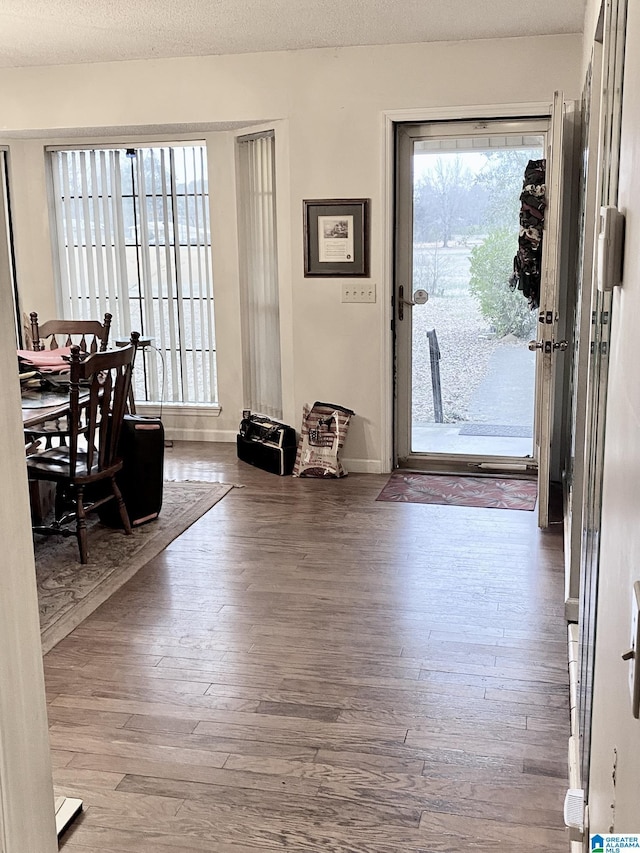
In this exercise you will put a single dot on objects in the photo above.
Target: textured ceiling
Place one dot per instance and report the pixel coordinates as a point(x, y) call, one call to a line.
point(52, 32)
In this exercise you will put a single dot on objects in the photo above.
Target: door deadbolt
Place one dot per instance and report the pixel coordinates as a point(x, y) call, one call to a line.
point(548, 346)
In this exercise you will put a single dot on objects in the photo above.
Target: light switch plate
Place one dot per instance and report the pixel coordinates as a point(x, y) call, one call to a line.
point(359, 292)
point(610, 247)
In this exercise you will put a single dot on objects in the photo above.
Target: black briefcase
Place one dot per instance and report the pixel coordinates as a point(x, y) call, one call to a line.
point(267, 444)
point(141, 478)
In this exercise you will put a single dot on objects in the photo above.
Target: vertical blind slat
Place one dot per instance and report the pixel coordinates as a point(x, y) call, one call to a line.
point(169, 280)
point(180, 295)
point(98, 230)
point(151, 307)
point(209, 285)
point(73, 298)
point(63, 273)
point(92, 300)
point(199, 301)
point(109, 276)
point(120, 297)
point(79, 228)
point(190, 304)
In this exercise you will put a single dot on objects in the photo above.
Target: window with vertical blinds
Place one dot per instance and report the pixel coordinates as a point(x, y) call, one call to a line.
point(259, 273)
point(133, 238)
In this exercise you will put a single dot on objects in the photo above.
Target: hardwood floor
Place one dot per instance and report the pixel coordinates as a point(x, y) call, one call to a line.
point(308, 669)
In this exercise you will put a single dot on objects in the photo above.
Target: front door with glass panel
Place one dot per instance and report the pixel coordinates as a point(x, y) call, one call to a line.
point(465, 374)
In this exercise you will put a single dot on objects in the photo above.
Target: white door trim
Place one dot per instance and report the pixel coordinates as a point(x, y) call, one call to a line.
point(27, 821)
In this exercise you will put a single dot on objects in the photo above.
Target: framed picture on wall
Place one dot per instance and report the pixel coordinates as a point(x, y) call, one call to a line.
point(336, 237)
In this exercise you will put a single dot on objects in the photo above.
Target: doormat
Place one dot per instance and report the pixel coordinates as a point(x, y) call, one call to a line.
point(496, 493)
point(507, 431)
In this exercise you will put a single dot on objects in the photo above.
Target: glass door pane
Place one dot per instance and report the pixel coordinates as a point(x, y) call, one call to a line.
point(473, 376)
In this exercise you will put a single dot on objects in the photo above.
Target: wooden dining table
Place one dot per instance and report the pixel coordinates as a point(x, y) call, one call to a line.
point(40, 406)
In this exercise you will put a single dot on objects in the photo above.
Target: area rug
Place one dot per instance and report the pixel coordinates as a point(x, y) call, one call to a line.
point(68, 591)
point(460, 491)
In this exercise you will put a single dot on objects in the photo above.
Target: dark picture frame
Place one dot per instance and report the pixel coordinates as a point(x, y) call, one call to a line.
point(336, 237)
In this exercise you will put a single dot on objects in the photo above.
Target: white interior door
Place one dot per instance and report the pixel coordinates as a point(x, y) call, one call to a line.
point(547, 345)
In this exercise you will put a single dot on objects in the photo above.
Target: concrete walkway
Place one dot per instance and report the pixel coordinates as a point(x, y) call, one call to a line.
point(500, 413)
point(506, 394)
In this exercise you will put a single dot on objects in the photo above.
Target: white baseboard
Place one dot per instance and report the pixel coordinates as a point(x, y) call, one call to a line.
point(177, 433)
point(573, 752)
point(173, 433)
point(184, 422)
point(66, 809)
point(363, 466)
point(178, 410)
point(573, 651)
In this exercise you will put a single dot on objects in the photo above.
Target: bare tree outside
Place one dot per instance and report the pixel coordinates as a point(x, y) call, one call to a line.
point(445, 200)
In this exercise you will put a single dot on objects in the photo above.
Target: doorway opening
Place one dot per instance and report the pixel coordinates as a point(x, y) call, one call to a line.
point(466, 377)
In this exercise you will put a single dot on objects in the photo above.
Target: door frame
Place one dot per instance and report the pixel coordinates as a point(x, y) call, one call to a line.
point(613, 23)
point(533, 110)
point(406, 135)
point(27, 815)
point(573, 491)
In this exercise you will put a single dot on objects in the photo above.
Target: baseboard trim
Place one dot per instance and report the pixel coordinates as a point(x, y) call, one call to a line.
point(173, 433)
point(66, 809)
point(363, 466)
point(573, 752)
point(573, 654)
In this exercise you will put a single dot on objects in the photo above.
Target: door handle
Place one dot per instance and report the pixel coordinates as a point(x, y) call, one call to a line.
point(420, 297)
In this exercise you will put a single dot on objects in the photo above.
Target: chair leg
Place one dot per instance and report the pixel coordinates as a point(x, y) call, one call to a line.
point(59, 501)
point(81, 524)
point(124, 515)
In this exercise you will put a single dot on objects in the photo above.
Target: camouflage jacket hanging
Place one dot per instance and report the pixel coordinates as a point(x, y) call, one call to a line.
point(528, 260)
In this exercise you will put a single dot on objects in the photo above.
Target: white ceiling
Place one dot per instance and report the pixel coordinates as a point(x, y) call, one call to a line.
point(52, 32)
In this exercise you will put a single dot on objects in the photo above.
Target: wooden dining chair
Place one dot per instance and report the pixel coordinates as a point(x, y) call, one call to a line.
point(90, 335)
point(84, 470)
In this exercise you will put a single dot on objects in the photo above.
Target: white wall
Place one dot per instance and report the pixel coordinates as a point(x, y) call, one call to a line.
point(330, 104)
point(614, 728)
